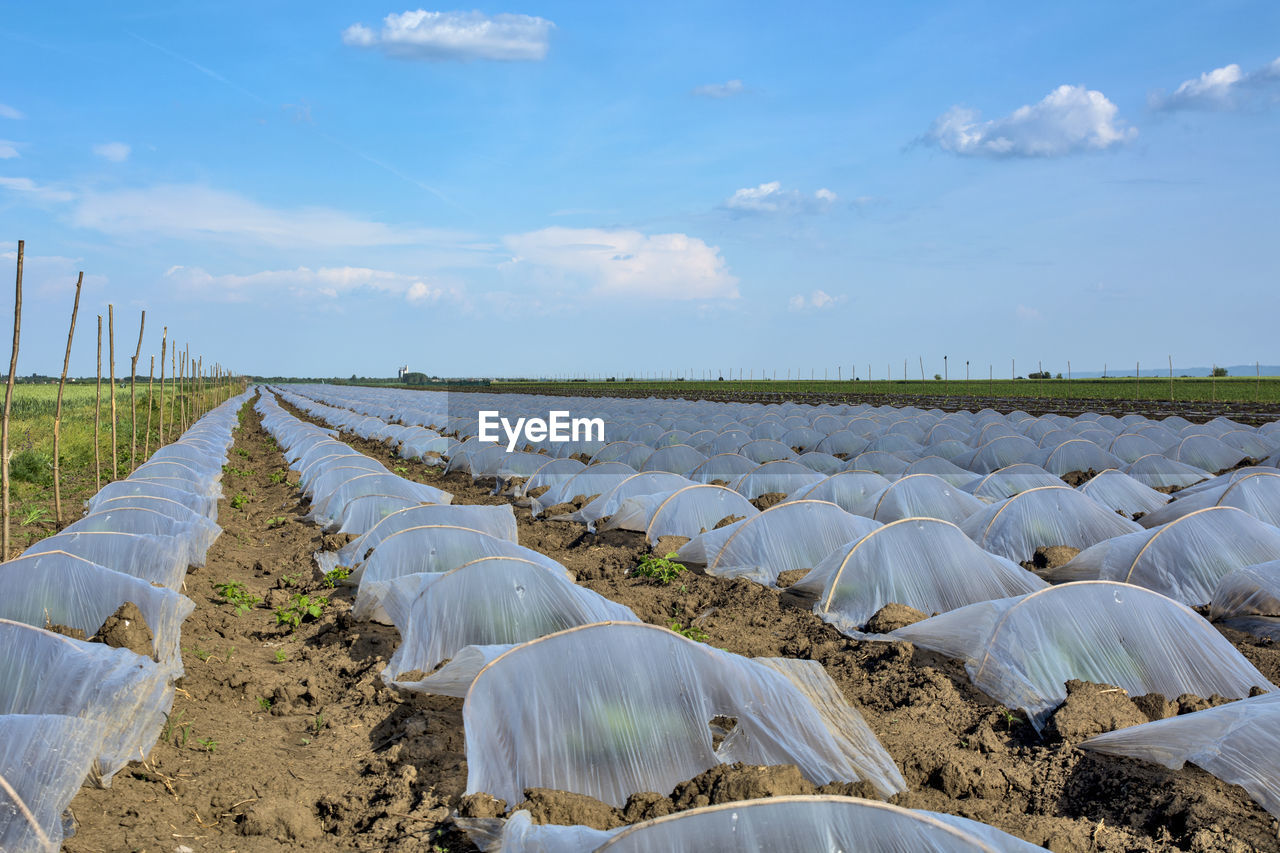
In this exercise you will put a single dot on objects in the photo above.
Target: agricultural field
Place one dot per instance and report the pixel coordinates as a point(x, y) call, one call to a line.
point(329, 697)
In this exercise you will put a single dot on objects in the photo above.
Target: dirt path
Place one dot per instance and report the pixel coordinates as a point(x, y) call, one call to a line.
point(339, 762)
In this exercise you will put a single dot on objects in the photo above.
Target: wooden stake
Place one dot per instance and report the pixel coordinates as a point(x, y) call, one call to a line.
point(8, 393)
point(111, 350)
point(57, 412)
point(1170, 379)
point(164, 351)
point(146, 441)
point(133, 397)
point(97, 412)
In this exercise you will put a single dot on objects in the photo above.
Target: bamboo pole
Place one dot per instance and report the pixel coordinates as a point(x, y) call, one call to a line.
point(164, 351)
point(111, 359)
point(133, 397)
point(57, 412)
point(97, 412)
point(8, 393)
point(146, 441)
point(1171, 379)
point(173, 383)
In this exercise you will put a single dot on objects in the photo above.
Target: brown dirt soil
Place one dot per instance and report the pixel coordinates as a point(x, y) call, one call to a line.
point(385, 770)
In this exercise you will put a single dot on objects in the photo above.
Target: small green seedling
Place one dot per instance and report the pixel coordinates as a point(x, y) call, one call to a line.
point(264, 703)
point(231, 469)
point(242, 452)
point(36, 515)
point(276, 521)
point(692, 632)
point(208, 743)
point(331, 578)
point(201, 653)
point(401, 469)
point(175, 731)
point(281, 655)
point(300, 608)
point(661, 570)
point(277, 477)
point(235, 594)
point(239, 501)
point(290, 580)
point(317, 724)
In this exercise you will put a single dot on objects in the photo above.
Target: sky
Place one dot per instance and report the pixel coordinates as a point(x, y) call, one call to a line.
point(551, 189)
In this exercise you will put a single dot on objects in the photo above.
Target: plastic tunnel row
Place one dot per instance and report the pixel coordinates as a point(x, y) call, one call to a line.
point(72, 710)
point(1213, 543)
point(565, 689)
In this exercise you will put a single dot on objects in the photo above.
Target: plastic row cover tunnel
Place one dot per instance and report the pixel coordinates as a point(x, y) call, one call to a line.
point(1021, 651)
point(612, 709)
point(71, 710)
point(813, 823)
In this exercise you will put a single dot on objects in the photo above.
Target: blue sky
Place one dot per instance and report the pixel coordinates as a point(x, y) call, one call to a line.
point(551, 188)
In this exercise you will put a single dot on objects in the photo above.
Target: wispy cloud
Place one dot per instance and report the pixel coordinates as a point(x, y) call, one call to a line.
point(818, 300)
point(194, 211)
point(53, 275)
point(30, 188)
point(1069, 119)
point(1027, 314)
point(8, 149)
point(727, 89)
point(306, 283)
point(7, 111)
point(455, 36)
point(772, 198)
point(1225, 88)
point(116, 152)
point(622, 263)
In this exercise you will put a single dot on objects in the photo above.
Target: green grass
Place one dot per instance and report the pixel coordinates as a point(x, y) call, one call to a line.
point(1232, 389)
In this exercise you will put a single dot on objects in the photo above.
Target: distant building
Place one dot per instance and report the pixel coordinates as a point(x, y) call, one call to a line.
point(401, 372)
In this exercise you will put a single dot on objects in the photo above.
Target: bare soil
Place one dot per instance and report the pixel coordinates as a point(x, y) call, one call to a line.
point(289, 740)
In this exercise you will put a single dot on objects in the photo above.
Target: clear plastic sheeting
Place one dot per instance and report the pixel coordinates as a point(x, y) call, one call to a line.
point(552, 473)
point(1238, 742)
point(1002, 452)
point(497, 521)
point(1117, 491)
point(689, 512)
point(202, 504)
point(1012, 480)
point(943, 468)
point(1043, 517)
point(198, 533)
point(855, 492)
point(491, 601)
point(722, 469)
point(1249, 600)
point(1257, 493)
point(1161, 472)
point(920, 562)
point(435, 548)
point(57, 588)
point(781, 477)
point(1206, 452)
point(44, 673)
point(792, 535)
point(1022, 651)
point(924, 496)
point(648, 483)
point(1077, 455)
point(161, 559)
point(879, 461)
point(327, 511)
point(1183, 559)
point(590, 482)
point(675, 459)
point(43, 760)
point(362, 514)
point(612, 709)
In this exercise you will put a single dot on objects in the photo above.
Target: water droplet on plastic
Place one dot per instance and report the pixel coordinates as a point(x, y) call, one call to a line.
point(1118, 597)
point(519, 591)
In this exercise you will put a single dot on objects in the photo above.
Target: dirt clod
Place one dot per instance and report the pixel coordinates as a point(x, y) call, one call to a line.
point(1091, 709)
point(893, 616)
point(126, 629)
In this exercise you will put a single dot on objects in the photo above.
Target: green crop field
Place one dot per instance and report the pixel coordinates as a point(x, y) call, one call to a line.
point(1264, 390)
point(32, 508)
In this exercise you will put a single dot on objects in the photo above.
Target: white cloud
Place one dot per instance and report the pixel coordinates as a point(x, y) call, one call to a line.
point(1027, 314)
point(36, 191)
point(306, 283)
point(720, 90)
point(1225, 88)
point(8, 149)
point(197, 211)
point(1068, 120)
point(116, 152)
point(7, 111)
point(772, 198)
point(455, 35)
point(51, 275)
point(818, 300)
point(622, 263)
